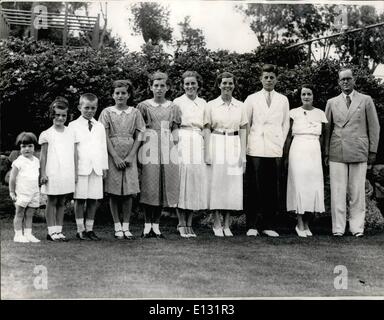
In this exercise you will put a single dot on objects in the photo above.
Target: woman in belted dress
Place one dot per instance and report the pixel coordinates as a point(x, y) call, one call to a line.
point(227, 120)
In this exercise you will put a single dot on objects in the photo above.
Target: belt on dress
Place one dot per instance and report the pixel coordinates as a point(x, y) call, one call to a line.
point(230, 133)
point(190, 128)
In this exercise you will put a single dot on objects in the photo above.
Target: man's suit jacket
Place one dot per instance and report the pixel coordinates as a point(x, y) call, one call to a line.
point(269, 126)
point(353, 131)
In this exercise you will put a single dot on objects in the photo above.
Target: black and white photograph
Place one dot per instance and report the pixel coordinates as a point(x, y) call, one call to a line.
point(192, 150)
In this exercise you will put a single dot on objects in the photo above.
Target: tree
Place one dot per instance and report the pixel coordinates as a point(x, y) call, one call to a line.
point(151, 20)
point(284, 22)
point(191, 39)
point(364, 47)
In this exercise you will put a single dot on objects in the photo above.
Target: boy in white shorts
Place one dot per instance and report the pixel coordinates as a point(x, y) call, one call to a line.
point(91, 165)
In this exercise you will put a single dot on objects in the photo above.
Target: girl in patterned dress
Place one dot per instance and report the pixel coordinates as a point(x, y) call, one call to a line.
point(123, 125)
point(158, 156)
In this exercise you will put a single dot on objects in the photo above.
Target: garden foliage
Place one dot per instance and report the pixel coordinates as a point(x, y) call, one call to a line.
point(34, 73)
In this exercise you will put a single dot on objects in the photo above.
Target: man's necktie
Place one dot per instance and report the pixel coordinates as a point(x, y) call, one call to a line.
point(90, 125)
point(348, 98)
point(268, 98)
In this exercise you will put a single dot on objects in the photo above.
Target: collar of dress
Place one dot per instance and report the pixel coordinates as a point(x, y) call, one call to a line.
point(119, 112)
point(166, 104)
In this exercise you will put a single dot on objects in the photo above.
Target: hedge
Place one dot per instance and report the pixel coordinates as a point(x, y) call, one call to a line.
point(34, 73)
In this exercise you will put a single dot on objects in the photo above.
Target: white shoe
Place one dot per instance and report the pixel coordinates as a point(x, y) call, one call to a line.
point(301, 233)
point(308, 232)
point(20, 238)
point(218, 232)
point(31, 238)
point(270, 233)
point(252, 233)
point(227, 232)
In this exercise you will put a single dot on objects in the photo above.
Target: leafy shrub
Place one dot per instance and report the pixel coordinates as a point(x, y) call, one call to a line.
point(33, 73)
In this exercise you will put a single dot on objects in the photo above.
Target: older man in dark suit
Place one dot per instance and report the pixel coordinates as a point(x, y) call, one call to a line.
point(351, 142)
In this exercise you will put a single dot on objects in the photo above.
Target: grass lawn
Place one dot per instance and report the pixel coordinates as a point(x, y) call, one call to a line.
point(205, 267)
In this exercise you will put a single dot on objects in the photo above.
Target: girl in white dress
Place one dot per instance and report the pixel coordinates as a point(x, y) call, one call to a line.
point(305, 189)
point(227, 119)
point(193, 172)
point(57, 163)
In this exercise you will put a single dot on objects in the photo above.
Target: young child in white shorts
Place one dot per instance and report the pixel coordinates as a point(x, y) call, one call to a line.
point(24, 187)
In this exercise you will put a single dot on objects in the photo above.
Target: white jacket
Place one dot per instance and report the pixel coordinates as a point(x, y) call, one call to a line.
point(269, 126)
point(92, 146)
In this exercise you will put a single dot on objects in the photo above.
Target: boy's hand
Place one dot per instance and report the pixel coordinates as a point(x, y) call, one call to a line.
point(13, 196)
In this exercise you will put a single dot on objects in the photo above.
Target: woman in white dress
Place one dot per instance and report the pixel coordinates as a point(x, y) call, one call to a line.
point(193, 194)
point(227, 119)
point(305, 189)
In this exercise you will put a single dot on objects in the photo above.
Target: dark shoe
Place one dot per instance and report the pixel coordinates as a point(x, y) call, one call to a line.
point(159, 236)
point(337, 234)
point(128, 235)
point(152, 234)
point(358, 234)
point(146, 235)
point(82, 236)
point(91, 235)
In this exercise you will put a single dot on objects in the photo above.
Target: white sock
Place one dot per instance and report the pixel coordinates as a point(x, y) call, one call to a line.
point(27, 231)
point(51, 230)
point(59, 229)
point(155, 227)
point(89, 225)
point(80, 225)
point(125, 226)
point(147, 227)
point(117, 227)
point(18, 233)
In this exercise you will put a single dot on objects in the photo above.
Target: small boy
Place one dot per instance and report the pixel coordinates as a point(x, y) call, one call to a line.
point(90, 167)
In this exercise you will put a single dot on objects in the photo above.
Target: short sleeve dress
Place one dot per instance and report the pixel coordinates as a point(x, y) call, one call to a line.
point(193, 171)
point(226, 185)
point(305, 188)
point(159, 155)
point(60, 166)
point(121, 127)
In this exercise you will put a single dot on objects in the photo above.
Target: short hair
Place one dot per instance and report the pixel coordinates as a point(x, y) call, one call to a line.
point(59, 103)
point(270, 68)
point(127, 84)
point(307, 86)
point(345, 69)
point(87, 96)
point(159, 76)
point(193, 74)
point(26, 138)
point(223, 75)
